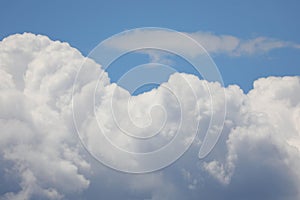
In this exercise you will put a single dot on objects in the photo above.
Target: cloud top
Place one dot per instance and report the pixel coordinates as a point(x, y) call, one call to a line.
point(258, 156)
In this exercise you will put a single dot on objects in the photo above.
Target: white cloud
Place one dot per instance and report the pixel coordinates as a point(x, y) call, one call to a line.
point(258, 156)
point(212, 43)
point(35, 106)
point(233, 46)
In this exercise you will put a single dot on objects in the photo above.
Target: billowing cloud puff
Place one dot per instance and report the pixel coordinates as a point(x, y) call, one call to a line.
point(257, 157)
point(37, 141)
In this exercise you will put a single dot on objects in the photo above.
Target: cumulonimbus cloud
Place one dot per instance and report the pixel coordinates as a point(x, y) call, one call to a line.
point(257, 157)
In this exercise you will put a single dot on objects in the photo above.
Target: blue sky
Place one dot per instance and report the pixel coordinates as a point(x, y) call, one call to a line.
point(85, 24)
point(43, 110)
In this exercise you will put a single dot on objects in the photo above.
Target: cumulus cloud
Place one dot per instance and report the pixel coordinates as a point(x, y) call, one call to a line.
point(36, 138)
point(257, 157)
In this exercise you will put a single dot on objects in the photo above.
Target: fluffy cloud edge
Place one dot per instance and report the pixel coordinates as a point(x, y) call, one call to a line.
point(38, 72)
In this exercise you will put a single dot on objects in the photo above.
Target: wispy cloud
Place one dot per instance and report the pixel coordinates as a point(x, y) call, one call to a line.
point(213, 43)
point(233, 46)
